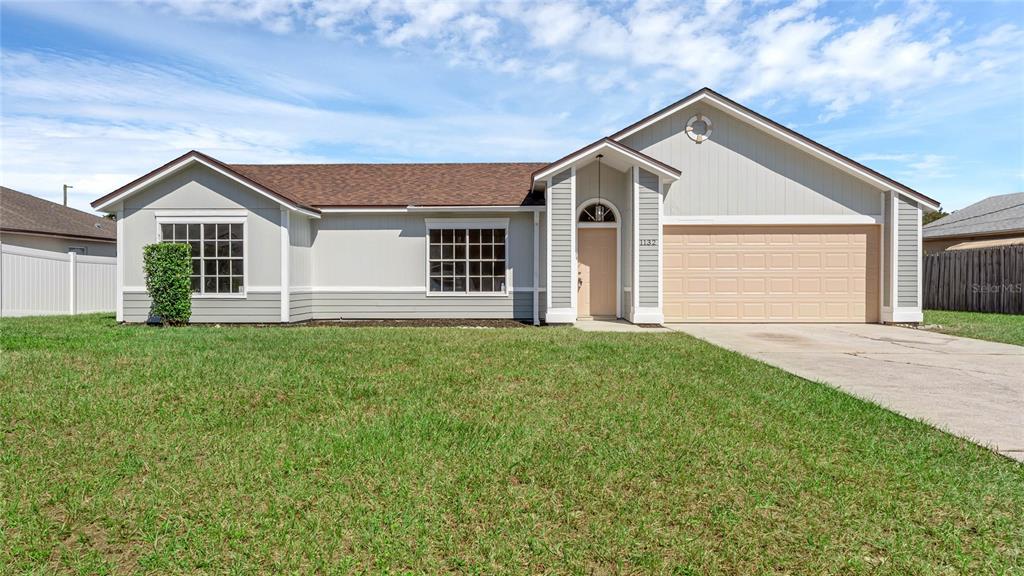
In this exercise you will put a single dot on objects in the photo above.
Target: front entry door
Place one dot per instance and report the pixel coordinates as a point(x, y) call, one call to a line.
point(596, 282)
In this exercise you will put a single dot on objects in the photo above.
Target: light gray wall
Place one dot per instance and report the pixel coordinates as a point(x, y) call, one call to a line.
point(647, 259)
point(200, 188)
point(55, 244)
point(374, 266)
point(390, 251)
point(742, 170)
point(907, 257)
point(616, 189)
point(256, 308)
point(347, 252)
point(563, 216)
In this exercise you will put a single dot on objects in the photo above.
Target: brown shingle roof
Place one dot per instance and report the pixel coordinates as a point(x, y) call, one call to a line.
point(20, 212)
point(355, 185)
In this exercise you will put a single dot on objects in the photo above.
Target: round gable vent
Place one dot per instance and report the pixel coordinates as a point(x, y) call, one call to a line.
point(698, 128)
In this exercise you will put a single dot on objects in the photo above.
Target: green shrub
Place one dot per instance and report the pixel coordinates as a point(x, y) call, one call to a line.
point(167, 268)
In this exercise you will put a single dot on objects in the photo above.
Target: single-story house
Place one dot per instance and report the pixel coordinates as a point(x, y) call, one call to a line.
point(704, 211)
point(994, 221)
point(31, 222)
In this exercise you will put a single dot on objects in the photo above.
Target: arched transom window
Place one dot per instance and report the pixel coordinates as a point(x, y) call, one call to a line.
point(597, 212)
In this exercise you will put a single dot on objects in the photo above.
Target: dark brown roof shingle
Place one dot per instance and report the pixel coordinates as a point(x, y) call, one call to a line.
point(20, 212)
point(372, 185)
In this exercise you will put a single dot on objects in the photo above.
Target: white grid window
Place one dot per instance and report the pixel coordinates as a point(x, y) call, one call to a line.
point(218, 265)
point(467, 260)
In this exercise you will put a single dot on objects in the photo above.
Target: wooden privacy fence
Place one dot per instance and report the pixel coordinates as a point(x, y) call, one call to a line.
point(978, 280)
point(37, 282)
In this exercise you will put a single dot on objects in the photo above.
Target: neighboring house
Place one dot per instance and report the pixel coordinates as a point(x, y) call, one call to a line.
point(54, 259)
point(995, 221)
point(32, 222)
point(704, 211)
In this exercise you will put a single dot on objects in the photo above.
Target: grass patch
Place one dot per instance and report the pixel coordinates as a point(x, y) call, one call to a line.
point(387, 450)
point(1008, 328)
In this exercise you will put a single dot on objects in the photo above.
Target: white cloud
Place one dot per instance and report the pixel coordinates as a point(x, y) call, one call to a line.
point(117, 121)
point(913, 167)
point(910, 62)
point(787, 51)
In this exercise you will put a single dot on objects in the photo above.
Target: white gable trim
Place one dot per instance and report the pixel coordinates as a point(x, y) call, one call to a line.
point(833, 159)
point(189, 160)
point(603, 145)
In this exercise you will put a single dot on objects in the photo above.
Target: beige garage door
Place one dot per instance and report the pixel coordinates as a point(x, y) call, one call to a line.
point(771, 273)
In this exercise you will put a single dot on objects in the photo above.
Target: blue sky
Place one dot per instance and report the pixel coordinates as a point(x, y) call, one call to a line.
point(95, 94)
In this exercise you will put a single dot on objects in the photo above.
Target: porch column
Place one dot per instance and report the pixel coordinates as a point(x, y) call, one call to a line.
point(561, 239)
point(647, 234)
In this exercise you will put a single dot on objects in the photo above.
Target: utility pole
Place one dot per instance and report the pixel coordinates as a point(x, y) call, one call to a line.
point(66, 193)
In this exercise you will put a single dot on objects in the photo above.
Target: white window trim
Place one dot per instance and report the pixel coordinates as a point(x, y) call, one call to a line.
point(215, 220)
point(459, 223)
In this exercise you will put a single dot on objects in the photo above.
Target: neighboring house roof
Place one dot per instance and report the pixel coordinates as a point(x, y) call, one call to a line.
point(398, 185)
point(20, 212)
point(741, 110)
point(993, 215)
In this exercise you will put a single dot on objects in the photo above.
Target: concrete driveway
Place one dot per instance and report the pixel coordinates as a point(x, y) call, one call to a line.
point(970, 388)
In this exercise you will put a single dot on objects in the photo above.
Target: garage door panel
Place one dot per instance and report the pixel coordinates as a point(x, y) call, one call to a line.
point(771, 273)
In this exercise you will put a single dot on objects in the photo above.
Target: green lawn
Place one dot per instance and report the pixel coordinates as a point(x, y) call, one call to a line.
point(1008, 328)
point(394, 450)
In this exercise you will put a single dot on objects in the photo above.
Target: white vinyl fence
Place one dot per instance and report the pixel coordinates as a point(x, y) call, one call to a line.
point(37, 282)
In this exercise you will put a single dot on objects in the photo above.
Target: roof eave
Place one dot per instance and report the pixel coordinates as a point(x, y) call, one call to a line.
point(567, 161)
point(1010, 231)
point(181, 162)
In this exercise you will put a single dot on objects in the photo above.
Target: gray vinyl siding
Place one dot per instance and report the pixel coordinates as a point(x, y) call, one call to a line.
point(648, 228)
point(399, 305)
point(742, 170)
point(255, 308)
point(300, 306)
point(266, 308)
point(908, 259)
point(563, 216)
point(886, 264)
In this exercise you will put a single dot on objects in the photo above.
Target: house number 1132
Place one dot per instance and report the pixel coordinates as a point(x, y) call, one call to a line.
point(648, 242)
